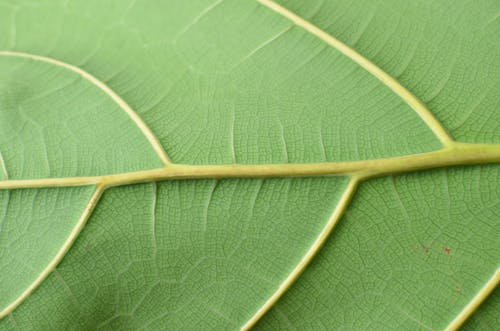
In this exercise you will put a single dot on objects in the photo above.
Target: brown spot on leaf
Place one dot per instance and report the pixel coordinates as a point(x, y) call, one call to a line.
point(426, 249)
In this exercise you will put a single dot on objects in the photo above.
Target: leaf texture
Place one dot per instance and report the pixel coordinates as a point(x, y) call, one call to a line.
point(191, 165)
point(405, 256)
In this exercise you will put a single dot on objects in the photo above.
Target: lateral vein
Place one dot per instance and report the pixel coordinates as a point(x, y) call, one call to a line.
point(453, 154)
point(146, 131)
point(309, 256)
point(417, 105)
point(59, 255)
point(478, 299)
point(3, 167)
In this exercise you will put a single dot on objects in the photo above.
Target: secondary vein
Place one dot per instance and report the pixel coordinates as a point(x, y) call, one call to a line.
point(146, 131)
point(417, 105)
point(310, 254)
point(59, 255)
point(3, 167)
point(478, 299)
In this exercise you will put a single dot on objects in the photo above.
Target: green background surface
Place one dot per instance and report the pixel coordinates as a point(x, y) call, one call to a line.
point(234, 82)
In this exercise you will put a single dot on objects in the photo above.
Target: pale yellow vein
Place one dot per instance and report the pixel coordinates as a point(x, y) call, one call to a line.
point(59, 255)
point(310, 254)
point(459, 154)
point(3, 167)
point(146, 131)
point(417, 105)
point(478, 299)
point(453, 154)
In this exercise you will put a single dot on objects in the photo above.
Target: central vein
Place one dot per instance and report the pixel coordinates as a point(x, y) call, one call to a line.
point(455, 155)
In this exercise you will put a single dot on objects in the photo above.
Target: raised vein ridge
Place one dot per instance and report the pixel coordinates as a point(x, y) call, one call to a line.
point(59, 255)
point(452, 154)
point(458, 154)
point(106, 89)
point(417, 105)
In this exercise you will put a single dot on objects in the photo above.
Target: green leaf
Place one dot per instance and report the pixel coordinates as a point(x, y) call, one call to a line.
point(211, 164)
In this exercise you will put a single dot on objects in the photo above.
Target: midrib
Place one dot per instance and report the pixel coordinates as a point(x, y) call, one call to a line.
point(452, 154)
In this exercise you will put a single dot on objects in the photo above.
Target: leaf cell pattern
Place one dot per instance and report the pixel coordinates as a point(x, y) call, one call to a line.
point(272, 114)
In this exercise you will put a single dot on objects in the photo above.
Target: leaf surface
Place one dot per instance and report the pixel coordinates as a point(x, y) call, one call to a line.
point(197, 104)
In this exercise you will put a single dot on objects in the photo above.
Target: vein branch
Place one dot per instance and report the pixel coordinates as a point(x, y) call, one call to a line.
point(146, 131)
point(3, 167)
point(453, 154)
point(310, 254)
point(478, 299)
point(59, 255)
point(418, 106)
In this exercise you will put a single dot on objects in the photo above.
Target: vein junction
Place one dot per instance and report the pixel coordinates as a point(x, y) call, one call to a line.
point(455, 154)
point(452, 154)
